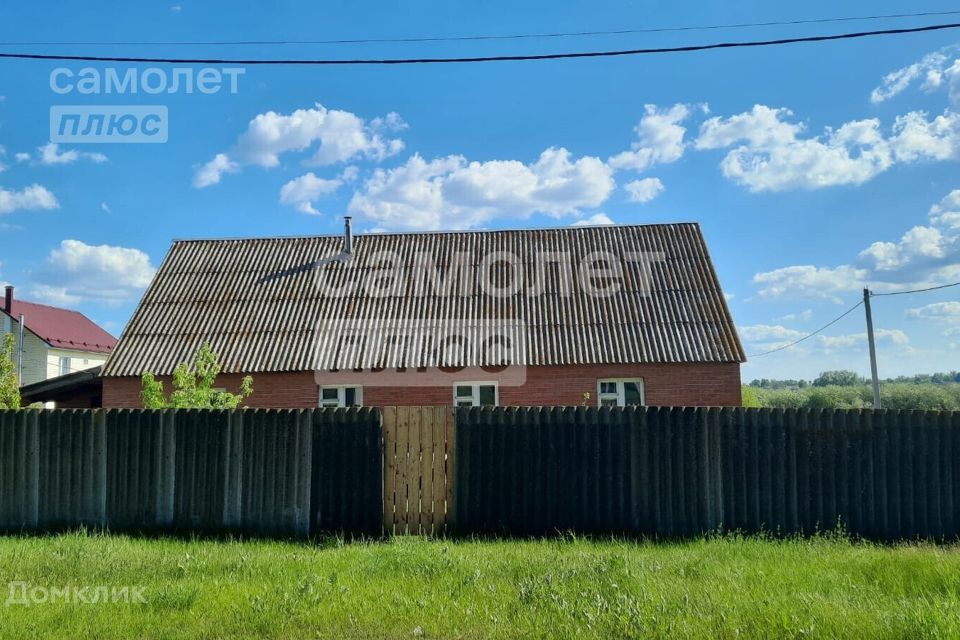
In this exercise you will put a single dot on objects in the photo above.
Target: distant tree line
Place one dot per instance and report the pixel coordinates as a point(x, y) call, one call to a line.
point(848, 390)
point(844, 378)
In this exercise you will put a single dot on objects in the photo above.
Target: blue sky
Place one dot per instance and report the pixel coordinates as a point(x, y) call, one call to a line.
point(810, 174)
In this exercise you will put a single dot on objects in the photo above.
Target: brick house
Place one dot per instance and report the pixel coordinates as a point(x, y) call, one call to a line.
point(630, 314)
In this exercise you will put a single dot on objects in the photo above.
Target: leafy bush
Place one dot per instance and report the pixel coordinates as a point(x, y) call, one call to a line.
point(838, 378)
point(193, 386)
point(931, 396)
point(9, 385)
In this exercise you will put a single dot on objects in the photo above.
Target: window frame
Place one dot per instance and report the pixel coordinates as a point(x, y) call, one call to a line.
point(475, 395)
point(621, 391)
point(64, 365)
point(341, 395)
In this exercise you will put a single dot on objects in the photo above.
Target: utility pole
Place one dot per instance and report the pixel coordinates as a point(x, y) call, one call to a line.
point(873, 350)
point(20, 354)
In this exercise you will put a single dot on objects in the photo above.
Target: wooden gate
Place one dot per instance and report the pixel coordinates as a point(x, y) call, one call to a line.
point(417, 469)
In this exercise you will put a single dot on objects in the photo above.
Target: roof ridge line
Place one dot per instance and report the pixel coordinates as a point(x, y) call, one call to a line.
point(374, 234)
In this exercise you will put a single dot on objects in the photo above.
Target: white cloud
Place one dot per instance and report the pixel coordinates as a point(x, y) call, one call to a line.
point(595, 220)
point(925, 255)
point(105, 207)
point(644, 190)
point(176, 8)
point(338, 136)
point(22, 157)
point(451, 192)
point(659, 139)
point(944, 313)
point(76, 272)
point(808, 281)
point(304, 191)
point(803, 316)
point(771, 155)
point(895, 337)
point(916, 138)
point(31, 198)
point(211, 172)
point(764, 337)
point(50, 154)
point(768, 332)
point(934, 71)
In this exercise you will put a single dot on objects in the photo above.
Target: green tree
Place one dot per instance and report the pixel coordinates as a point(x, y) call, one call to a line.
point(750, 397)
point(193, 386)
point(841, 378)
point(9, 385)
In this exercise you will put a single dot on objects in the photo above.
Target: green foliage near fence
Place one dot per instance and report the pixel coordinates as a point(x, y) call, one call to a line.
point(9, 385)
point(194, 386)
point(925, 397)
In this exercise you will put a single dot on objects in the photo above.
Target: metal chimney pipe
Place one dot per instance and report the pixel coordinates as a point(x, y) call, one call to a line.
point(347, 235)
point(8, 299)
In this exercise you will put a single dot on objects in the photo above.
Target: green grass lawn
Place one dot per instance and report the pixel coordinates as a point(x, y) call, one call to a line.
point(411, 587)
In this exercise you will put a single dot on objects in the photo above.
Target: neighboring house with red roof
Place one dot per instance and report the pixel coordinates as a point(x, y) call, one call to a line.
point(55, 341)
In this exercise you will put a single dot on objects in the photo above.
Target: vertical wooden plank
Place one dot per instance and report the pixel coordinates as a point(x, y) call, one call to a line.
point(701, 441)
point(425, 471)
point(389, 468)
point(841, 463)
point(881, 444)
point(538, 469)
point(946, 476)
point(894, 474)
point(504, 456)
point(438, 482)
point(869, 440)
point(594, 475)
point(932, 454)
point(515, 496)
point(451, 476)
point(639, 470)
point(413, 471)
point(483, 434)
point(403, 465)
point(562, 434)
point(465, 480)
point(805, 519)
point(679, 457)
point(605, 493)
point(908, 494)
point(789, 443)
point(953, 428)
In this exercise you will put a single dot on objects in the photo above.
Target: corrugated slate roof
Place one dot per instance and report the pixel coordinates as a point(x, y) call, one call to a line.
point(257, 301)
point(62, 328)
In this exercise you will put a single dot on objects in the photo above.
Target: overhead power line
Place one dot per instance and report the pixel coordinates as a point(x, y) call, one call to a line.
point(900, 293)
point(810, 335)
point(512, 36)
point(494, 58)
point(850, 310)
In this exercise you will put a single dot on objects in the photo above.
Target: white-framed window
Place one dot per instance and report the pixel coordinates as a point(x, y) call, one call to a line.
point(341, 396)
point(64, 365)
point(476, 394)
point(619, 392)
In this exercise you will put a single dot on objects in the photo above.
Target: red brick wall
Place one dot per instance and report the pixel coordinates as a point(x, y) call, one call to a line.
point(695, 384)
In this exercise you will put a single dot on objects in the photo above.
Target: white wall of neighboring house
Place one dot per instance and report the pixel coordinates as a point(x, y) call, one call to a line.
point(40, 360)
point(63, 361)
